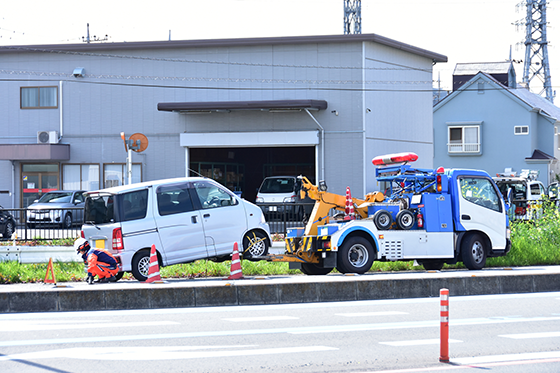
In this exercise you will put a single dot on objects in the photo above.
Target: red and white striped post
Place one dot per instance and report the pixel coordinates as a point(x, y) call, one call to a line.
point(444, 326)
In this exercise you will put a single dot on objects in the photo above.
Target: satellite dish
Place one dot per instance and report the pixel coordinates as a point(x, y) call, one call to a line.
point(134, 138)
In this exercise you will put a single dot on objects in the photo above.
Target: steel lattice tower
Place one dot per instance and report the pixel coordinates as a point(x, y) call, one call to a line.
point(352, 15)
point(536, 47)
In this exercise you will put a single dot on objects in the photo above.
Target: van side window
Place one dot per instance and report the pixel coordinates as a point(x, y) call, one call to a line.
point(173, 199)
point(480, 191)
point(134, 205)
point(212, 196)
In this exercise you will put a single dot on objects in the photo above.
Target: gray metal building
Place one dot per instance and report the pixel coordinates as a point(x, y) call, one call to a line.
point(236, 110)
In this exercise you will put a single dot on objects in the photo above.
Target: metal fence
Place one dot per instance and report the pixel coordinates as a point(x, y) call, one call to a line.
point(27, 229)
point(281, 216)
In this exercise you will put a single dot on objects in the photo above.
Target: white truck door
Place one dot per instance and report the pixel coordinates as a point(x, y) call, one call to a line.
point(480, 208)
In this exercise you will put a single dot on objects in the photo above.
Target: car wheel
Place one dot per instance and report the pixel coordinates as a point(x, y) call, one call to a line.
point(314, 269)
point(67, 222)
point(255, 243)
point(473, 252)
point(9, 230)
point(141, 265)
point(356, 255)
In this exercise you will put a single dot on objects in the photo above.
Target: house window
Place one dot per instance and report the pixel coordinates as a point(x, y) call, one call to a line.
point(115, 174)
point(39, 97)
point(521, 130)
point(80, 176)
point(480, 87)
point(464, 139)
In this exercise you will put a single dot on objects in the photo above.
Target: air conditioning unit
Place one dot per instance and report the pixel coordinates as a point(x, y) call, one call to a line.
point(47, 137)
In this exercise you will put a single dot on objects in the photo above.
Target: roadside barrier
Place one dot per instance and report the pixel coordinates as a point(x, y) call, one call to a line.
point(38, 254)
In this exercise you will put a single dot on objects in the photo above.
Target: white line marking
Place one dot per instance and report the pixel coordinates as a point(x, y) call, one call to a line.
point(85, 324)
point(531, 335)
point(504, 358)
point(418, 342)
point(263, 318)
point(289, 330)
point(360, 314)
point(159, 352)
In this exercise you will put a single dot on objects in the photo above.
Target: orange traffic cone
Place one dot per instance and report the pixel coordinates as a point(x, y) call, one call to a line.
point(235, 273)
point(50, 269)
point(349, 210)
point(153, 270)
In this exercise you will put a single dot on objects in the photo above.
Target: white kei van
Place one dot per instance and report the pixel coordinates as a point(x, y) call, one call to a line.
point(187, 219)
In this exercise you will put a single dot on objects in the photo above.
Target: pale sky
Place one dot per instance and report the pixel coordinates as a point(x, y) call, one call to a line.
point(463, 30)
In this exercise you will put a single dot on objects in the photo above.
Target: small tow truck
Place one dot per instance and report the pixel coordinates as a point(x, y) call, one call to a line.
point(433, 216)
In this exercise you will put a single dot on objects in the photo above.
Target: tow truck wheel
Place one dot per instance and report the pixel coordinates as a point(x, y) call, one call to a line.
point(356, 255)
point(473, 251)
point(432, 265)
point(383, 219)
point(314, 269)
point(405, 219)
point(255, 243)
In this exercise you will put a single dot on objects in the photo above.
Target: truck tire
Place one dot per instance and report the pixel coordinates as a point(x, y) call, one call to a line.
point(255, 243)
point(314, 269)
point(432, 264)
point(141, 265)
point(356, 255)
point(473, 251)
point(405, 219)
point(383, 219)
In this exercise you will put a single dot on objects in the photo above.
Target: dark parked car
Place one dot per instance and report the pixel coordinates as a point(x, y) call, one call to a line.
point(51, 209)
point(7, 224)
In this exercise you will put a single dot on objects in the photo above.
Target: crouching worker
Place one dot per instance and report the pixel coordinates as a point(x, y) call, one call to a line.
point(99, 262)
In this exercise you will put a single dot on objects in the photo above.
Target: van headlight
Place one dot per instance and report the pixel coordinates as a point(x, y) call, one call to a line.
point(259, 200)
point(289, 200)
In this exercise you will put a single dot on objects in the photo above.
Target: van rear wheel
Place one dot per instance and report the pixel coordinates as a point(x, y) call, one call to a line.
point(141, 265)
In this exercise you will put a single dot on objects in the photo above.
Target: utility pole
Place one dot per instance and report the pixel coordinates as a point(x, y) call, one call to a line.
point(536, 47)
point(352, 16)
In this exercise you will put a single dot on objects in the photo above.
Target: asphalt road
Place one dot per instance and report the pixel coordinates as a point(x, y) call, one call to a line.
point(497, 333)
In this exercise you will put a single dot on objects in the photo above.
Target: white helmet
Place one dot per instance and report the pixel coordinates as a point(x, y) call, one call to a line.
point(81, 245)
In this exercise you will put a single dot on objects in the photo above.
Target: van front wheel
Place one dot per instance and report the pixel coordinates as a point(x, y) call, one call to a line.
point(255, 243)
point(141, 265)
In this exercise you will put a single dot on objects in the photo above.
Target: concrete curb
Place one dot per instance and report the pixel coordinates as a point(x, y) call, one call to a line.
point(274, 290)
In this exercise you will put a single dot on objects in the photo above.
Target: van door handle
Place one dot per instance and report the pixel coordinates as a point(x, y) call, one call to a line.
point(193, 219)
point(206, 215)
point(465, 217)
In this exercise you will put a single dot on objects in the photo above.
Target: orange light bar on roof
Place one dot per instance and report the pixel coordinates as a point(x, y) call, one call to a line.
point(388, 159)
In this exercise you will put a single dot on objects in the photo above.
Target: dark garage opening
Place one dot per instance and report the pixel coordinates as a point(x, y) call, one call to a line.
point(243, 169)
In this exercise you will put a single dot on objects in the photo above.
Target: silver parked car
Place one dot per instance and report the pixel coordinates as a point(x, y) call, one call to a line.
point(61, 207)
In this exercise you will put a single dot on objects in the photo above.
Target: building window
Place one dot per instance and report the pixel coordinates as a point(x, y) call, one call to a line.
point(521, 130)
point(480, 87)
point(464, 139)
point(39, 97)
point(80, 176)
point(115, 174)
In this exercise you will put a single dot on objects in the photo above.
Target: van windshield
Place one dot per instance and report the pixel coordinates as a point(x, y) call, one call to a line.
point(278, 185)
